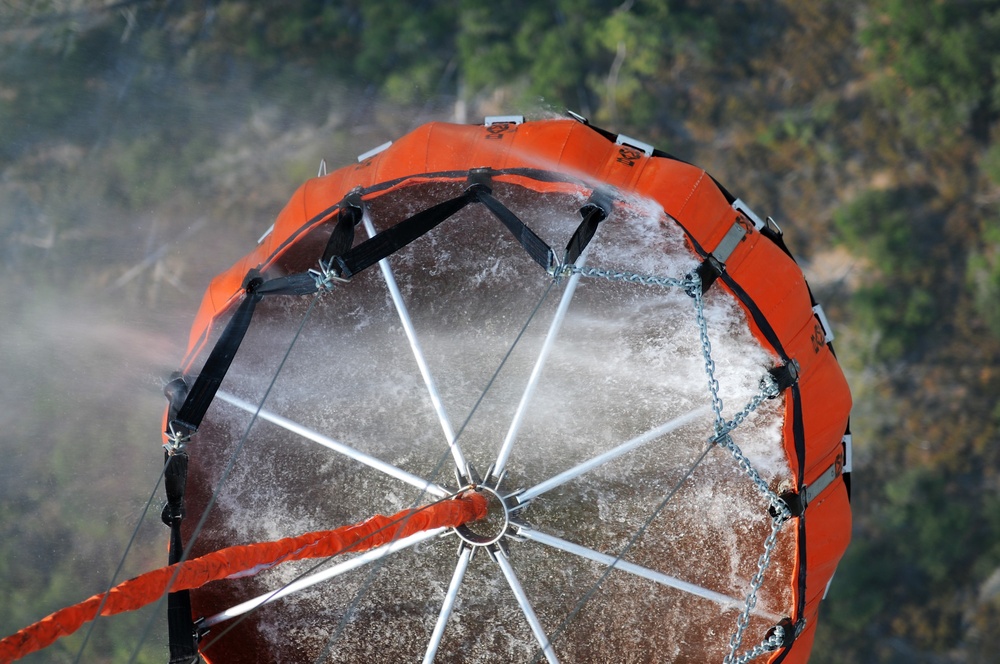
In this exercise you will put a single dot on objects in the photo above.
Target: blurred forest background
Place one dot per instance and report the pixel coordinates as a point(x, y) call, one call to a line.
point(146, 144)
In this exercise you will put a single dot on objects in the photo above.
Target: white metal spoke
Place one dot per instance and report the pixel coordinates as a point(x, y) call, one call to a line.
point(522, 600)
point(418, 353)
point(449, 603)
point(536, 372)
point(664, 579)
point(614, 453)
point(313, 579)
point(346, 450)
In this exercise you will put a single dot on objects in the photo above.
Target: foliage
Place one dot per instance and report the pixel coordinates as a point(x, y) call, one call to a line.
point(938, 66)
point(47, 82)
point(984, 277)
point(901, 240)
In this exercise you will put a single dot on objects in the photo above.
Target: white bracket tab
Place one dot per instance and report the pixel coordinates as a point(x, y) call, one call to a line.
point(828, 584)
point(645, 148)
point(743, 208)
point(266, 233)
point(504, 119)
point(374, 151)
point(848, 454)
point(827, 330)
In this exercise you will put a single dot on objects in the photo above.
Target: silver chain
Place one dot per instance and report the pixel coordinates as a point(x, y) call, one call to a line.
point(768, 389)
point(769, 644)
point(751, 601)
point(629, 277)
point(706, 351)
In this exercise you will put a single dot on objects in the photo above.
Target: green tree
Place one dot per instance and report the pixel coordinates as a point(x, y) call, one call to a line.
point(903, 297)
point(937, 66)
point(984, 277)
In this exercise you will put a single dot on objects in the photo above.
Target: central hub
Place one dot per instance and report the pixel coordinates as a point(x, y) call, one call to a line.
point(491, 528)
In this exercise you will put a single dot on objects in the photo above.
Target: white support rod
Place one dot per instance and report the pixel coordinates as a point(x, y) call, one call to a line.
point(614, 453)
point(529, 613)
point(658, 577)
point(449, 604)
point(529, 390)
point(346, 450)
point(319, 577)
point(418, 353)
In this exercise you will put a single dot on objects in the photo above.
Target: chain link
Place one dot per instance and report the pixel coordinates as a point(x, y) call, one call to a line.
point(769, 644)
point(694, 290)
point(751, 600)
point(768, 389)
point(629, 277)
point(723, 428)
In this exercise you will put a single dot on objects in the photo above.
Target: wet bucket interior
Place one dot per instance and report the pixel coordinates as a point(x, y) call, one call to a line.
point(539, 375)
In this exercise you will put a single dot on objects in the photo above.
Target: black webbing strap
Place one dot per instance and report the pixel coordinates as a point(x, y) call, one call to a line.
point(200, 397)
point(303, 283)
point(342, 238)
point(539, 251)
point(185, 420)
point(182, 638)
point(708, 271)
point(391, 240)
point(183, 641)
point(594, 211)
point(785, 375)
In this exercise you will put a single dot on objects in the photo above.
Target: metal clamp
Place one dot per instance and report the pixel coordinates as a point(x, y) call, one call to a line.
point(630, 142)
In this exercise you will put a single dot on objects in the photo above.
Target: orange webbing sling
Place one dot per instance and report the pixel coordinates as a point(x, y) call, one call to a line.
point(241, 561)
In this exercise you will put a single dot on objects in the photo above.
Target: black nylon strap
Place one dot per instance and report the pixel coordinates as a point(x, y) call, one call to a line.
point(594, 211)
point(180, 629)
point(180, 624)
point(539, 251)
point(709, 270)
point(294, 284)
point(785, 375)
point(342, 238)
point(391, 240)
point(181, 634)
point(200, 397)
point(175, 482)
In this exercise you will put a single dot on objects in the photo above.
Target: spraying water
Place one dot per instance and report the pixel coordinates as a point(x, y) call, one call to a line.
point(626, 365)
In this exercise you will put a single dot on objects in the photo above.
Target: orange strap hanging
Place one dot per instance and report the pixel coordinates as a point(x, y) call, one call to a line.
point(243, 560)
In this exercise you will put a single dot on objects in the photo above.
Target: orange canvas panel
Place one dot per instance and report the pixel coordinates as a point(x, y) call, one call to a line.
point(776, 284)
point(826, 393)
point(672, 184)
point(828, 531)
